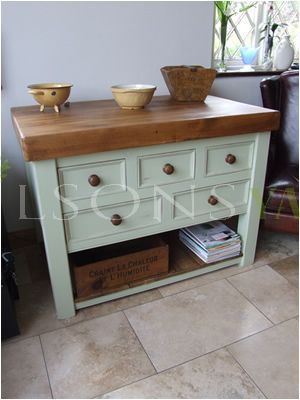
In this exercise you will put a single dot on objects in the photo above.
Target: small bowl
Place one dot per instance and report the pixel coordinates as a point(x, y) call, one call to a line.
point(133, 97)
point(50, 94)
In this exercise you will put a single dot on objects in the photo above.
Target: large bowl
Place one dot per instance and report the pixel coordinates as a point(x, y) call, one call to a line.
point(133, 97)
point(50, 94)
point(188, 82)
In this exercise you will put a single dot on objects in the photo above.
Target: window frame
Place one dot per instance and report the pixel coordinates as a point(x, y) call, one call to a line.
point(261, 13)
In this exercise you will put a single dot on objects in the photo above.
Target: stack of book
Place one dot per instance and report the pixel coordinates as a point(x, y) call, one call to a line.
point(211, 241)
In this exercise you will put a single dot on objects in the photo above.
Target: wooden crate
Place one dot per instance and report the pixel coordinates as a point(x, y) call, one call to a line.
point(113, 266)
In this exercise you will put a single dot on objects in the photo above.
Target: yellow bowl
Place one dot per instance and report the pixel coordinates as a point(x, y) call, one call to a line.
point(50, 94)
point(133, 97)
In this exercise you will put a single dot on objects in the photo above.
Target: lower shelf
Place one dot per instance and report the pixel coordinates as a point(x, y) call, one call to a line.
point(183, 264)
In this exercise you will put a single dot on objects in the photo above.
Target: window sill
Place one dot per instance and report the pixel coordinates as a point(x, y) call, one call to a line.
point(259, 72)
point(247, 73)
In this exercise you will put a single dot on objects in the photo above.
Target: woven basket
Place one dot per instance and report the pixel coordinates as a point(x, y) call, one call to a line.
point(188, 83)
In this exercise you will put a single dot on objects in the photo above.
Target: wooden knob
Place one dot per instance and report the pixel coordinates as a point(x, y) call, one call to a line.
point(212, 200)
point(168, 169)
point(230, 159)
point(116, 219)
point(94, 180)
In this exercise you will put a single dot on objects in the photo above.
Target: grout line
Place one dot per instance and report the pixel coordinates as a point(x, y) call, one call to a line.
point(17, 339)
point(46, 367)
point(212, 351)
point(141, 379)
point(281, 274)
point(224, 347)
point(228, 344)
point(20, 337)
point(257, 333)
point(127, 384)
point(140, 341)
point(122, 309)
point(254, 305)
point(217, 349)
point(250, 377)
point(238, 272)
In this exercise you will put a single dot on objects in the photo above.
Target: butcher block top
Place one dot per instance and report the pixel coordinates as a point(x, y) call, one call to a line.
point(96, 126)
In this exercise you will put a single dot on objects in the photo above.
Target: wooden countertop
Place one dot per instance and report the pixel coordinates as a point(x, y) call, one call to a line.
point(95, 126)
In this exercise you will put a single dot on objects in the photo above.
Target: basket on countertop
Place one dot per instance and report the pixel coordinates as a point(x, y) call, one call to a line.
point(188, 83)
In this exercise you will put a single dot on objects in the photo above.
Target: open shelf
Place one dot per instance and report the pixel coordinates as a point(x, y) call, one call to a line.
point(182, 261)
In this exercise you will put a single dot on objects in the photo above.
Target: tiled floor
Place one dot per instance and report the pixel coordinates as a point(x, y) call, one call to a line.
point(232, 333)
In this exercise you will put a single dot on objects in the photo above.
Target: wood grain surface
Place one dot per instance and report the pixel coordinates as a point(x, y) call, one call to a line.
point(96, 126)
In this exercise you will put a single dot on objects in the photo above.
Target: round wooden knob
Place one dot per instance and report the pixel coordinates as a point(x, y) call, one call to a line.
point(94, 180)
point(212, 200)
point(116, 219)
point(168, 169)
point(230, 159)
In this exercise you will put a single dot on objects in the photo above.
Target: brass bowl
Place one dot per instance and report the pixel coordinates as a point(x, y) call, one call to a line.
point(50, 94)
point(133, 97)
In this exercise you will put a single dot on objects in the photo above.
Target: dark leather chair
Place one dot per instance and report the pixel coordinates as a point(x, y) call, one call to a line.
point(281, 194)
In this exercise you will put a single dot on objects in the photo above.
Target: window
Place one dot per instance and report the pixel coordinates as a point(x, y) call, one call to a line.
point(244, 28)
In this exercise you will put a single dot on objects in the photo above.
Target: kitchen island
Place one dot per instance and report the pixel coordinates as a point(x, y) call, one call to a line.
point(102, 175)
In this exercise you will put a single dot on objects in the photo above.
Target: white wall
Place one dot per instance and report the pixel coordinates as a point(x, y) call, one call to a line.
point(92, 45)
point(95, 45)
point(243, 89)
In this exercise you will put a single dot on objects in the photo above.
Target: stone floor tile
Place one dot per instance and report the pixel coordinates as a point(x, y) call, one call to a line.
point(271, 360)
point(24, 373)
point(214, 376)
point(273, 246)
point(121, 304)
point(270, 292)
point(178, 328)
point(202, 280)
point(289, 268)
point(36, 311)
point(94, 357)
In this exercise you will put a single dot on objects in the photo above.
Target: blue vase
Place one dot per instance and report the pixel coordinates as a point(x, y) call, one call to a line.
point(248, 56)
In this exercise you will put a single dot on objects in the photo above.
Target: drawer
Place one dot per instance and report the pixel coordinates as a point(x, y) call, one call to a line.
point(165, 168)
point(135, 215)
point(229, 158)
point(82, 181)
point(217, 201)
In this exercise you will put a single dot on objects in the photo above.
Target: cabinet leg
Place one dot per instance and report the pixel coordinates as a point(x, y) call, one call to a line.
point(249, 223)
point(44, 180)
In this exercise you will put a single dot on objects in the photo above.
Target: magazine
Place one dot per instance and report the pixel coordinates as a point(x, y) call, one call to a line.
point(212, 241)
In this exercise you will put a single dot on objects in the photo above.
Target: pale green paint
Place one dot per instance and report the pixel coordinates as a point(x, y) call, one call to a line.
point(230, 195)
point(189, 170)
point(155, 213)
point(150, 168)
point(75, 184)
point(216, 164)
point(90, 224)
point(249, 223)
point(44, 178)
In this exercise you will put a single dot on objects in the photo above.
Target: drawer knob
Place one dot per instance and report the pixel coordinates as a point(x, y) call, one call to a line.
point(212, 200)
point(116, 219)
point(168, 169)
point(94, 180)
point(230, 159)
